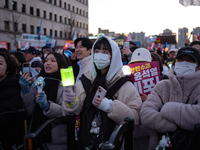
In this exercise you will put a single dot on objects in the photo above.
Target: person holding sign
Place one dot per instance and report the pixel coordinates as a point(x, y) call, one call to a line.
point(116, 97)
point(141, 57)
point(43, 99)
point(174, 103)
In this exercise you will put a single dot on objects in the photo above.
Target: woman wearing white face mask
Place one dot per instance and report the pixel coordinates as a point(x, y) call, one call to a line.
point(105, 72)
point(175, 102)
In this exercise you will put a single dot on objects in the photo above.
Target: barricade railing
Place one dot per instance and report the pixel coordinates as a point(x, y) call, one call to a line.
point(33, 141)
point(121, 133)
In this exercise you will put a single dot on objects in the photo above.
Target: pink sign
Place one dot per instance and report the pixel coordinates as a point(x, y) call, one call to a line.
point(145, 76)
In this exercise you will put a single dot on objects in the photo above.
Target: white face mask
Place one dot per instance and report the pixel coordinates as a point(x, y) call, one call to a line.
point(45, 55)
point(184, 67)
point(101, 60)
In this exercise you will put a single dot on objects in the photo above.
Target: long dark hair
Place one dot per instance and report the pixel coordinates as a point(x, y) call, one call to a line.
point(61, 61)
point(103, 43)
point(12, 67)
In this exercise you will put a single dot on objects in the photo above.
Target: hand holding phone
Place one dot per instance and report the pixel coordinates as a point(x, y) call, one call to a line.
point(26, 68)
point(100, 93)
point(126, 44)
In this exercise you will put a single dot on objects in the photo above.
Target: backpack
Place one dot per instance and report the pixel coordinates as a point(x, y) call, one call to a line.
point(86, 116)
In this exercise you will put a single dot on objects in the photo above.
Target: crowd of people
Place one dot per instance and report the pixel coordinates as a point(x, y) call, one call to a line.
point(173, 103)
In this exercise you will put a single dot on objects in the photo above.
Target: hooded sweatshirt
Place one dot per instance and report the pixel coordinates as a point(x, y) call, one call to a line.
point(126, 102)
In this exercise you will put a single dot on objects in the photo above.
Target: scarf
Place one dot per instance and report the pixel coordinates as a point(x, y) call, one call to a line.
point(51, 87)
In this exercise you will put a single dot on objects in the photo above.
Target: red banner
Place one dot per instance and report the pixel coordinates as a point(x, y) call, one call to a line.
point(68, 43)
point(3, 44)
point(145, 76)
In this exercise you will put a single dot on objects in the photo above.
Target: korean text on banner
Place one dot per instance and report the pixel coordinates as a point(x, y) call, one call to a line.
point(145, 76)
point(3, 44)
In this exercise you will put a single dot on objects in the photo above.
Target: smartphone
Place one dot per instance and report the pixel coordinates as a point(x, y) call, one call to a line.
point(101, 93)
point(126, 44)
point(26, 68)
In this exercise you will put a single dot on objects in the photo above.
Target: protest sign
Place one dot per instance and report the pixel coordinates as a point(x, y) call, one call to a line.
point(3, 44)
point(145, 76)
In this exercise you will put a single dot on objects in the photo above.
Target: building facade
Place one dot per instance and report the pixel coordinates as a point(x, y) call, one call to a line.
point(182, 36)
point(196, 33)
point(21, 19)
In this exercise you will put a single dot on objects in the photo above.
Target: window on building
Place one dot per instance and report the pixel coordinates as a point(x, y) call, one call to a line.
point(38, 30)
point(6, 5)
point(24, 28)
point(60, 18)
point(14, 5)
point(83, 13)
point(60, 34)
point(86, 26)
point(32, 29)
point(69, 7)
point(83, 1)
point(6, 25)
point(56, 33)
point(80, 12)
point(65, 20)
point(8, 45)
point(65, 5)
point(77, 24)
point(80, 24)
point(38, 12)
point(31, 11)
point(23, 8)
point(50, 16)
point(86, 14)
point(83, 25)
point(44, 14)
point(44, 31)
point(73, 8)
point(69, 21)
point(60, 3)
point(15, 27)
point(77, 10)
point(50, 1)
point(55, 2)
point(73, 22)
point(86, 2)
point(55, 17)
point(65, 34)
point(50, 32)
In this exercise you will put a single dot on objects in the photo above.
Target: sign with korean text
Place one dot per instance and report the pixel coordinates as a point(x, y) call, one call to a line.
point(145, 76)
point(68, 43)
point(3, 44)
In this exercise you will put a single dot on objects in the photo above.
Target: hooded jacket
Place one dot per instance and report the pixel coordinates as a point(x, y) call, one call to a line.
point(126, 102)
point(10, 98)
point(167, 107)
point(36, 62)
point(84, 65)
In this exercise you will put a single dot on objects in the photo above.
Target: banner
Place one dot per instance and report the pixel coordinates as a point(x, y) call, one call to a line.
point(145, 76)
point(68, 43)
point(128, 38)
point(3, 44)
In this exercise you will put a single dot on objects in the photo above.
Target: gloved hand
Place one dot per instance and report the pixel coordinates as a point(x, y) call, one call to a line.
point(25, 85)
point(68, 95)
point(42, 101)
point(103, 104)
